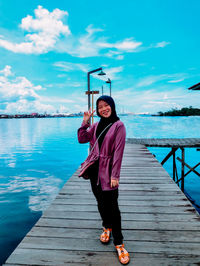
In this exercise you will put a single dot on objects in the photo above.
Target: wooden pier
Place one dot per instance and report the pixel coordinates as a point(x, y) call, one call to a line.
point(160, 225)
point(175, 144)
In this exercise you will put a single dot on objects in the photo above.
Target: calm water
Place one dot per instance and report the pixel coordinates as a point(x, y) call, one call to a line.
point(37, 156)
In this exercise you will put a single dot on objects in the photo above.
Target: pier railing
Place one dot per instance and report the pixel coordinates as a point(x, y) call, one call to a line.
point(175, 144)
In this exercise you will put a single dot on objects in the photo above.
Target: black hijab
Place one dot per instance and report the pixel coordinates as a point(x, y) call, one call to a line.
point(104, 122)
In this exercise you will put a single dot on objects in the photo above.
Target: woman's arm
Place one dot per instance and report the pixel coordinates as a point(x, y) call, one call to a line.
point(118, 154)
point(85, 135)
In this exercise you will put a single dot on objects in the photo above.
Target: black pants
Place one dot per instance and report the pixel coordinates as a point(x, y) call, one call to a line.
point(107, 202)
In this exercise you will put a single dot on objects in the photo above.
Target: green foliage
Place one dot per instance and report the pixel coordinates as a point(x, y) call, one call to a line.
point(185, 111)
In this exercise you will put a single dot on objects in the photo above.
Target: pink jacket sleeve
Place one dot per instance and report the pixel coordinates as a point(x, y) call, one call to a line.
point(118, 153)
point(84, 134)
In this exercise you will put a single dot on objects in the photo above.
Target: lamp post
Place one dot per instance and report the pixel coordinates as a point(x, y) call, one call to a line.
point(88, 81)
point(92, 92)
point(109, 81)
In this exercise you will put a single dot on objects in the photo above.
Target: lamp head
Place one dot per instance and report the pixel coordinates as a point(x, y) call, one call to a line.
point(101, 73)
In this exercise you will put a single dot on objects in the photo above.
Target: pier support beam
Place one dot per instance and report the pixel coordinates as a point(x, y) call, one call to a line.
point(182, 169)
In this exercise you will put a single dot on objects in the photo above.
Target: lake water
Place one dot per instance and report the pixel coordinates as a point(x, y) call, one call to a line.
point(37, 156)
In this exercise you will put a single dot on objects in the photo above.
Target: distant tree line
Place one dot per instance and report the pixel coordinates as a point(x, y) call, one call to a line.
point(185, 111)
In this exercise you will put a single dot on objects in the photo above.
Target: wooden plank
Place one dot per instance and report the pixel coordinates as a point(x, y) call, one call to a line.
point(123, 192)
point(139, 186)
point(135, 209)
point(93, 245)
point(141, 196)
point(145, 225)
point(61, 257)
point(186, 142)
point(134, 178)
point(137, 235)
point(123, 202)
point(167, 201)
point(125, 216)
point(160, 226)
point(133, 182)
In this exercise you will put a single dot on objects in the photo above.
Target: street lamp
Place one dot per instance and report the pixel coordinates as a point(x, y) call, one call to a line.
point(88, 80)
point(109, 81)
point(102, 73)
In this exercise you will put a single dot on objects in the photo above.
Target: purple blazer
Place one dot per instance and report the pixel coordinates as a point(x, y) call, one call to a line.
point(110, 154)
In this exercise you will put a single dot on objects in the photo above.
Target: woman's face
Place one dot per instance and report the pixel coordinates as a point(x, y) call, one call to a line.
point(104, 109)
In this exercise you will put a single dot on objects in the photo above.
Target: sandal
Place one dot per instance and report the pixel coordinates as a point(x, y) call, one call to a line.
point(105, 236)
point(123, 254)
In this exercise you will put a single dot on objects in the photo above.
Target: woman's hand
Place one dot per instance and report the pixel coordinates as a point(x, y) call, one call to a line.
point(114, 182)
point(87, 115)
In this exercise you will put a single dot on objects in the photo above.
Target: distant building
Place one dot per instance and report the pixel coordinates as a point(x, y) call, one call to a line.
point(34, 114)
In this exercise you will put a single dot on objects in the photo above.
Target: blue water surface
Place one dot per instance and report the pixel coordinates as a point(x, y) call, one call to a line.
point(37, 157)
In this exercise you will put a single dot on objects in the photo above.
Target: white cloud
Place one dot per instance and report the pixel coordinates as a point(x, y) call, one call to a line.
point(161, 44)
point(170, 78)
point(45, 21)
point(119, 57)
point(82, 46)
point(18, 94)
point(76, 84)
point(54, 99)
point(113, 73)
point(63, 109)
point(149, 80)
point(176, 81)
point(26, 106)
point(89, 45)
point(18, 88)
point(48, 31)
point(114, 54)
point(61, 76)
point(69, 66)
point(6, 71)
point(154, 100)
point(127, 45)
point(46, 27)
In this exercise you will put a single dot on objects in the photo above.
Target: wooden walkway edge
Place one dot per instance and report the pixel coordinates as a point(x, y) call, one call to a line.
point(160, 225)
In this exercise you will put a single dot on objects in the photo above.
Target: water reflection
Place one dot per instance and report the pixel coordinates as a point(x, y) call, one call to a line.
point(37, 156)
point(16, 220)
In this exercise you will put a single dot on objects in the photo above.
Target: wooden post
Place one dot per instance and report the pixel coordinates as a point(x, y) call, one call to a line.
point(174, 163)
point(182, 169)
point(92, 107)
point(92, 92)
point(169, 155)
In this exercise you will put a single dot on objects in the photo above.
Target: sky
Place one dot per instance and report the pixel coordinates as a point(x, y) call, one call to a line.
point(148, 49)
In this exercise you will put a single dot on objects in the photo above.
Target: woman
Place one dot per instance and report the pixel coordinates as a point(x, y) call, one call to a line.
point(107, 140)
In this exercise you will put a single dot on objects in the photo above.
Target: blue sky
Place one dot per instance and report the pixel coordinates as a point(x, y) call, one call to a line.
point(149, 50)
